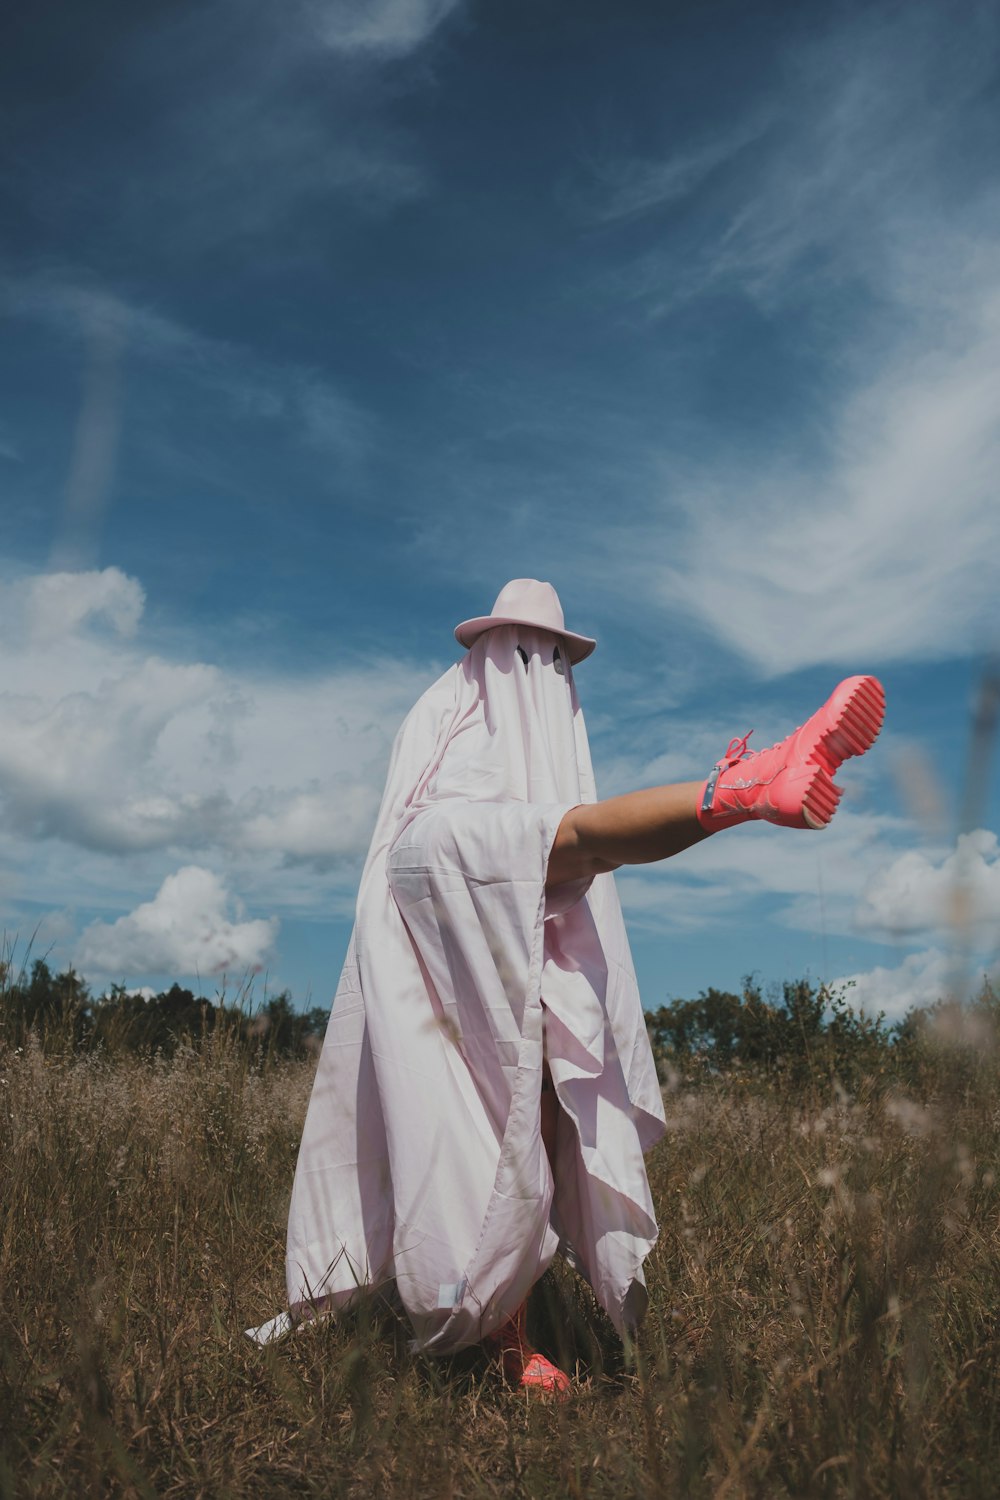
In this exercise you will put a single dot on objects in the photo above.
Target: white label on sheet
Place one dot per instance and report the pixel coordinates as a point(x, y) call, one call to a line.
point(271, 1331)
point(450, 1293)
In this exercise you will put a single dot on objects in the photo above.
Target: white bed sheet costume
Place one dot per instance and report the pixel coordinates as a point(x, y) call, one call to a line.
point(421, 1160)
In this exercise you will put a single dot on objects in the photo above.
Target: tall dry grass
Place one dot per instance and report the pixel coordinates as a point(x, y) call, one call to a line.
point(823, 1303)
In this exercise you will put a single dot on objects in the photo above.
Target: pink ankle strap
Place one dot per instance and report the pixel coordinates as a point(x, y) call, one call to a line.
point(735, 751)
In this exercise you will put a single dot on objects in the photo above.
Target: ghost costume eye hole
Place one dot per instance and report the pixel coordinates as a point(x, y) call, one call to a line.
point(557, 662)
point(523, 655)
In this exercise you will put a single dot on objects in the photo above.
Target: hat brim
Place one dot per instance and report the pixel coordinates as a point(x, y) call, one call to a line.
point(579, 647)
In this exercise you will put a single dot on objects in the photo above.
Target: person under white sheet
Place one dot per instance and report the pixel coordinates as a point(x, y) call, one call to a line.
point(486, 1090)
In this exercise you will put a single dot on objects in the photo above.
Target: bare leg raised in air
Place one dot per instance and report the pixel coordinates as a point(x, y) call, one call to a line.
point(790, 784)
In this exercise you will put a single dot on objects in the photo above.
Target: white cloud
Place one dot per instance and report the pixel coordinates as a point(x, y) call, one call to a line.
point(117, 767)
point(111, 750)
point(310, 824)
point(81, 765)
point(185, 930)
point(956, 890)
point(657, 904)
point(59, 603)
point(920, 980)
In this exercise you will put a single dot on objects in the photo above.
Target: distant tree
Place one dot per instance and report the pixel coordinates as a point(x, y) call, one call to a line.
point(56, 1006)
point(801, 1033)
point(156, 1023)
point(279, 1030)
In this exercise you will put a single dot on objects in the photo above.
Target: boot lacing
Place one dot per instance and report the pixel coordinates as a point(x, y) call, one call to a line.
point(732, 754)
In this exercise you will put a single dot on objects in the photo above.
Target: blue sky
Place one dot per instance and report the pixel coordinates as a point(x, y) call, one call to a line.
point(321, 321)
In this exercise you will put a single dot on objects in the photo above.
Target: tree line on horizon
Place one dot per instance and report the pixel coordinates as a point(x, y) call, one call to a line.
point(62, 1012)
point(798, 1032)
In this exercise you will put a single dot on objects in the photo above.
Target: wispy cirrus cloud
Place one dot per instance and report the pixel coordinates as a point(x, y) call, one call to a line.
point(854, 212)
point(255, 124)
point(627, 187)
point(248, 384)
point(861, 139)
point(386, 28)
point(881, 549)
point(925, 893)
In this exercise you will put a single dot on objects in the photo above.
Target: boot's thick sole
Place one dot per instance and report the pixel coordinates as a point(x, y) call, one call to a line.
point(847, 724)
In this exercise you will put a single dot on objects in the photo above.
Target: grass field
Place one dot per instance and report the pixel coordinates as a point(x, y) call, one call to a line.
point(823, 1303)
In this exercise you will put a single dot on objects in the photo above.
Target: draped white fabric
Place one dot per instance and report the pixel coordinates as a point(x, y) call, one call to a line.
point(421, 1159)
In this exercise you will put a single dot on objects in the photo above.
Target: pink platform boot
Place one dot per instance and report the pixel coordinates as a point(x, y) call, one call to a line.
point(523, 1366)
point(792, 783)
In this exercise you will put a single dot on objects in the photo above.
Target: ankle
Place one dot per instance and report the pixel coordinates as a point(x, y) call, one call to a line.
point(715, 811)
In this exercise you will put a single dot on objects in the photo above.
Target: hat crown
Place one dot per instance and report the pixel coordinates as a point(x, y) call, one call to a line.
point(527, 601)
point(530, 599)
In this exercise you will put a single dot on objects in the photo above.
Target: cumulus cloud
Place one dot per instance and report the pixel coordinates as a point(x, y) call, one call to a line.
point(80, 765)
point(108, 749)
point(123, 770)
point(59, 603)
point(185, 930)
point(924, 893)
point(920, 980)
point(309, 825)
point(269, 786)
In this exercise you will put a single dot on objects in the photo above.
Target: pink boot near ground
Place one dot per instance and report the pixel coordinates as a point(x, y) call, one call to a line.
point(792, 783)
point(523, 1366)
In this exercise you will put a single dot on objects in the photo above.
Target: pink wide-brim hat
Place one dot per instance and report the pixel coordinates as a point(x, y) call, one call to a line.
point(526, 601)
